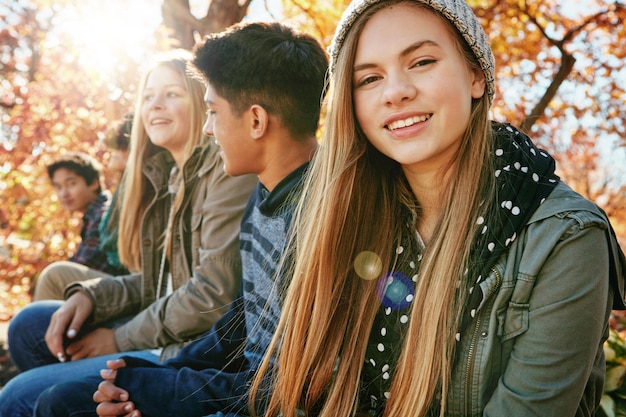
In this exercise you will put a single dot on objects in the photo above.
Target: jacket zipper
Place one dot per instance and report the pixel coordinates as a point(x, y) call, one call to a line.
point(472, 349)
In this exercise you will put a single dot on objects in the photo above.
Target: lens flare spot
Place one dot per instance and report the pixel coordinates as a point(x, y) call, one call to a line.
point(396, 291)
point(368, 265)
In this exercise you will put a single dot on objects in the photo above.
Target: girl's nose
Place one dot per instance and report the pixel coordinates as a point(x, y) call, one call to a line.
point(399, 88)
point(156, 102)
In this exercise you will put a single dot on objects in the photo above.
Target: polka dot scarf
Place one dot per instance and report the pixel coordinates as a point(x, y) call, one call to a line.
point(395, 291)
point(524, 178)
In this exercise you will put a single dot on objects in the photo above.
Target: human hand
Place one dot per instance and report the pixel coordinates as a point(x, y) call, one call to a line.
point(98, 342)
point(113, 400)
point(68, 320)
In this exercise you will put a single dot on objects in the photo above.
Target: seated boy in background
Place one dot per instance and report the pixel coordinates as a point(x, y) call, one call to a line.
point(265, 83)
point(76, 181)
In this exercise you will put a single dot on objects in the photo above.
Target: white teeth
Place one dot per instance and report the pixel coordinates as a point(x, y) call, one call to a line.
point(407, 122)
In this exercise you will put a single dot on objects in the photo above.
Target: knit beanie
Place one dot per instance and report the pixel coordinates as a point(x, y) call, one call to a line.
point(457, 12)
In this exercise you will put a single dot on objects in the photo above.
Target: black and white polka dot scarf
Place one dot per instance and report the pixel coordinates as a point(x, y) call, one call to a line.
point(524, 178)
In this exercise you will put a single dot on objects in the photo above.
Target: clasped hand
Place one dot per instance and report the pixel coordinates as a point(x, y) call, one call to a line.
point(113, 400)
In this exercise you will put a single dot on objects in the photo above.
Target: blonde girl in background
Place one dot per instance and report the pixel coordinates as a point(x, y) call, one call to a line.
point(441, 266)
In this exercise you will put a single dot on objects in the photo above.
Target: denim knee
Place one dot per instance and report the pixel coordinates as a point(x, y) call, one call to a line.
point(26, 335)
point(72, 399)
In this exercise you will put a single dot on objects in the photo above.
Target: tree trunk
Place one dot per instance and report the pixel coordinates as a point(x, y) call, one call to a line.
point(187, 29)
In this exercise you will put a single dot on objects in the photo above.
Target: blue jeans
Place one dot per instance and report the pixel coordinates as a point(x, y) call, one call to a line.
point(69, 399)
point(27, 346)
point(74, 399)
point(40, 369)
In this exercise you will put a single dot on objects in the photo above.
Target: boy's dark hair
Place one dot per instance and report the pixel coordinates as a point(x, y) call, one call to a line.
point(79, 163)
point(268, 64)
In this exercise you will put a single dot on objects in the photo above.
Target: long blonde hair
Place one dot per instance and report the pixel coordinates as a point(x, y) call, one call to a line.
point(134, 186)
point(328, 312)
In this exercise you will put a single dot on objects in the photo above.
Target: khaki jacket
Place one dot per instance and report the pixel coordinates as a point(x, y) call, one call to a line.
point(205, 263)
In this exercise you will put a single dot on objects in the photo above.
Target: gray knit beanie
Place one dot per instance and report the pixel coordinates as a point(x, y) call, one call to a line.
point(456, 11)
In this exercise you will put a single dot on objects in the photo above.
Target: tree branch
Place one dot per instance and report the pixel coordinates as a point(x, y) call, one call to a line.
point(567, 63)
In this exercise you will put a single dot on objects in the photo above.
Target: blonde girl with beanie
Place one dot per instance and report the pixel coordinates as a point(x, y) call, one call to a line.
point(441, 267)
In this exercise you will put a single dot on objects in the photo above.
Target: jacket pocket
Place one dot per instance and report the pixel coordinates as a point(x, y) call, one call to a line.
point(513, 320)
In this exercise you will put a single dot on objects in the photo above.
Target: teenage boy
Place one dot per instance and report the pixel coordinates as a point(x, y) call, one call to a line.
point(75, 178)
point(264, 86)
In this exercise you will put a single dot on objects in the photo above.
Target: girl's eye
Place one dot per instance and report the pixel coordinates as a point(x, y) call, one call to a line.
point(423, 62)
point(367, 80)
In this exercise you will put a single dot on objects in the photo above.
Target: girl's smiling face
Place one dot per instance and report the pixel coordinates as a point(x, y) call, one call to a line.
point(413, 89)
point(166, 109)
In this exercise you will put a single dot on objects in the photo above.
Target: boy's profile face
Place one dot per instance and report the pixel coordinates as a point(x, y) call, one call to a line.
point(72, 190)
point(240, 152)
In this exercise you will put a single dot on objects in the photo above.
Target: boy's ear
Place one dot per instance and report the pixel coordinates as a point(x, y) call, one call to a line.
point(259, 121)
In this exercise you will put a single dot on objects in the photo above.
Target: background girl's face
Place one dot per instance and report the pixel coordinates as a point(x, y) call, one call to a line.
point(117, 160)
point(412, 87)
point(165, 111)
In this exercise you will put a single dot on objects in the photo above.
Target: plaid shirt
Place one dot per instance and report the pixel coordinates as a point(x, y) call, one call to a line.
point(89, 252)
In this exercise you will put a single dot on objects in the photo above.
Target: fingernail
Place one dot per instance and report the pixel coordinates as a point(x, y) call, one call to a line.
point(60, 357)
point(127, 408)
point(71, 333)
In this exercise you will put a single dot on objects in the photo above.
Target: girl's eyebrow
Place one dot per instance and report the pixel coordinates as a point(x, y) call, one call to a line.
point(166, 86)
point(417, 45)
point(413, 47)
